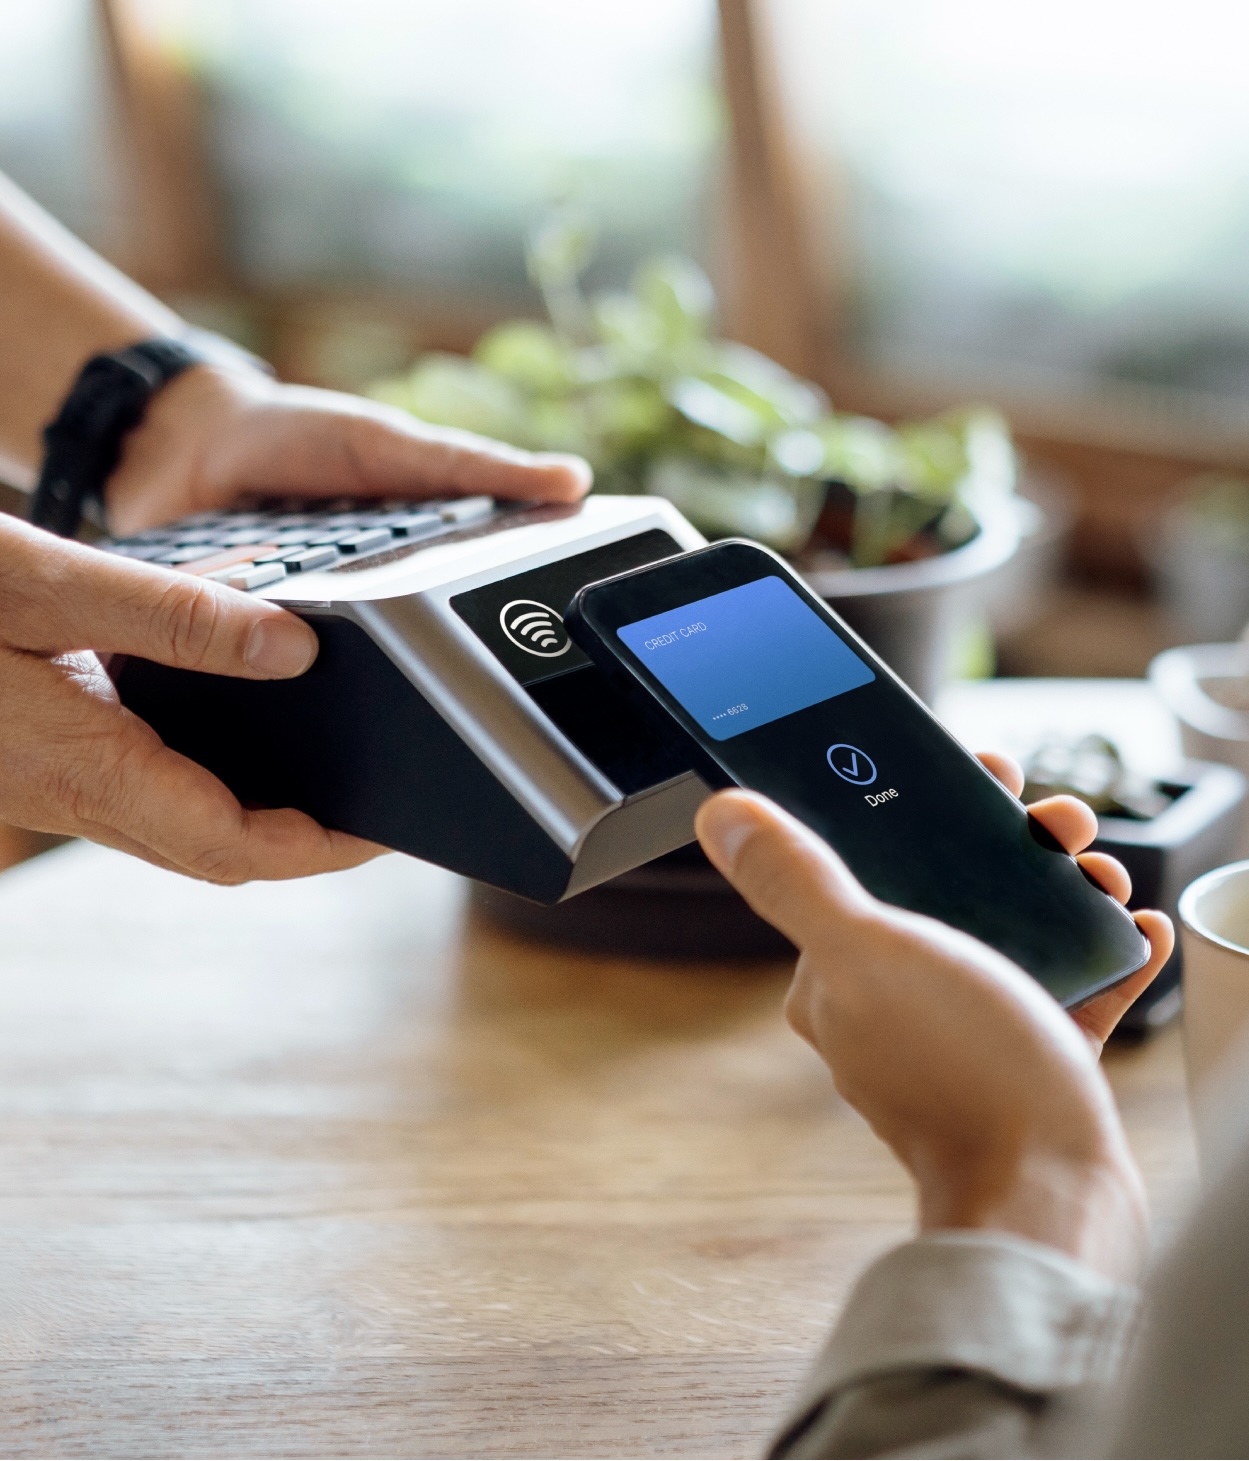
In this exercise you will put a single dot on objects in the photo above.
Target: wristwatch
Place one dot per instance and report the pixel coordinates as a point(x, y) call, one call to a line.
point(83, 444)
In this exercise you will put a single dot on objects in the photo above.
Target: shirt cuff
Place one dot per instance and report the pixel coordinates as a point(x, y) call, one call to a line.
point(1025, 1314)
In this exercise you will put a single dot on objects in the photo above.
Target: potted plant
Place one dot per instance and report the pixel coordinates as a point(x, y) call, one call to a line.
point(903, 529)
point(900, 528)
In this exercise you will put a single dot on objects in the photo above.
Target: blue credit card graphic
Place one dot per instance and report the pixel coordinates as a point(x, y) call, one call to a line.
point(744, 657)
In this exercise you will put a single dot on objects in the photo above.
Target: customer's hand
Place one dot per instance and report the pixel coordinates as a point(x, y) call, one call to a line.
point(983, 1086)
point(214, 434)
point(73, 761)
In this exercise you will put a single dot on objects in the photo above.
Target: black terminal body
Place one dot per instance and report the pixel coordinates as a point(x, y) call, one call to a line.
point(447, 715)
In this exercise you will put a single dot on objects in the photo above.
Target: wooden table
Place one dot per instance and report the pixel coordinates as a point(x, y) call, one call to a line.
point(325, 1167)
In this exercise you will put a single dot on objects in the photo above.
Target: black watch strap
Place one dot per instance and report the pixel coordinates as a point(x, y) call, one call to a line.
point(83, 444)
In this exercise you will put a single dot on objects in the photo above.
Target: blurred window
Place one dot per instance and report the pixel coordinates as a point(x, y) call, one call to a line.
point(1036, 195)
point(401, 142)
point(53, 141)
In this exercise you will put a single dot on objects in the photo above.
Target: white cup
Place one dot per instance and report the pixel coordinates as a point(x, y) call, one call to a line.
point(1204, 687)
point(1214, 918)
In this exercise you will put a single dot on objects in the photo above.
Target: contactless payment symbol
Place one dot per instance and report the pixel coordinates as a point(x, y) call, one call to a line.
point(535, 628)
point(852, 765)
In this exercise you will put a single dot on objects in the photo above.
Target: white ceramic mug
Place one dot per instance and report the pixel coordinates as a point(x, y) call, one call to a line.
point(1214, 918)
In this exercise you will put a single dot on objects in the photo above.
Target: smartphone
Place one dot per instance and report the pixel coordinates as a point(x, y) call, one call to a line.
point(771, 690)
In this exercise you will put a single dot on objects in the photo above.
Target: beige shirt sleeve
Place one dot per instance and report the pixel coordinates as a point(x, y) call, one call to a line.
point(967, 1344)
point(1186, 1392)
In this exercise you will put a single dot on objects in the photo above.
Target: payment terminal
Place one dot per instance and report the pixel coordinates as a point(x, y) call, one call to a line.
point(448, 714)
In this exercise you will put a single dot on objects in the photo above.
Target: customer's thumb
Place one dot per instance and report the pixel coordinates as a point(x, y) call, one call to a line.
point(782, 869)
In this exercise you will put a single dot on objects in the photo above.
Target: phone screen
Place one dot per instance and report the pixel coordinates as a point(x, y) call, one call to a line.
point(783, 699)
point(746, 656)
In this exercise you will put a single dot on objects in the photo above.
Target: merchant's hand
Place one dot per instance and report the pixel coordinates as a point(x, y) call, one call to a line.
point(214, 434)
point(983, 1086)
point(72, 760)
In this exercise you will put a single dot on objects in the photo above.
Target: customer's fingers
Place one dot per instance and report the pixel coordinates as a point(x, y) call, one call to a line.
point(1073, 824)
point(1007, 771)
point(1109, 873)
point(782, 869)
point(1100, 1016)
point(1069, 821)
point(57, 597)
point(792, 879)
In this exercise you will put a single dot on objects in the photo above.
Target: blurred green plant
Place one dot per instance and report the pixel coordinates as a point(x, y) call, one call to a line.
point(637, 382)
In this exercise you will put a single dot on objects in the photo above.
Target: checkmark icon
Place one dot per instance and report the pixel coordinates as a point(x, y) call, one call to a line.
point(851, 764)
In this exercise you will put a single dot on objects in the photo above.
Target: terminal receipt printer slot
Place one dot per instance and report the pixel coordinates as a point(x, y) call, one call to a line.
point(448, 715)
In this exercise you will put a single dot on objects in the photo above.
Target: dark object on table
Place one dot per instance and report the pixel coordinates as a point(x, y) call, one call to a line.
point(1093, 770)
point(1165, 833)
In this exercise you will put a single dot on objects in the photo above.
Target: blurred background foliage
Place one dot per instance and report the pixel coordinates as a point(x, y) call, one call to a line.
point(1041, 205)
point(1046, 199)
point(637, 381)
point(408, 143)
